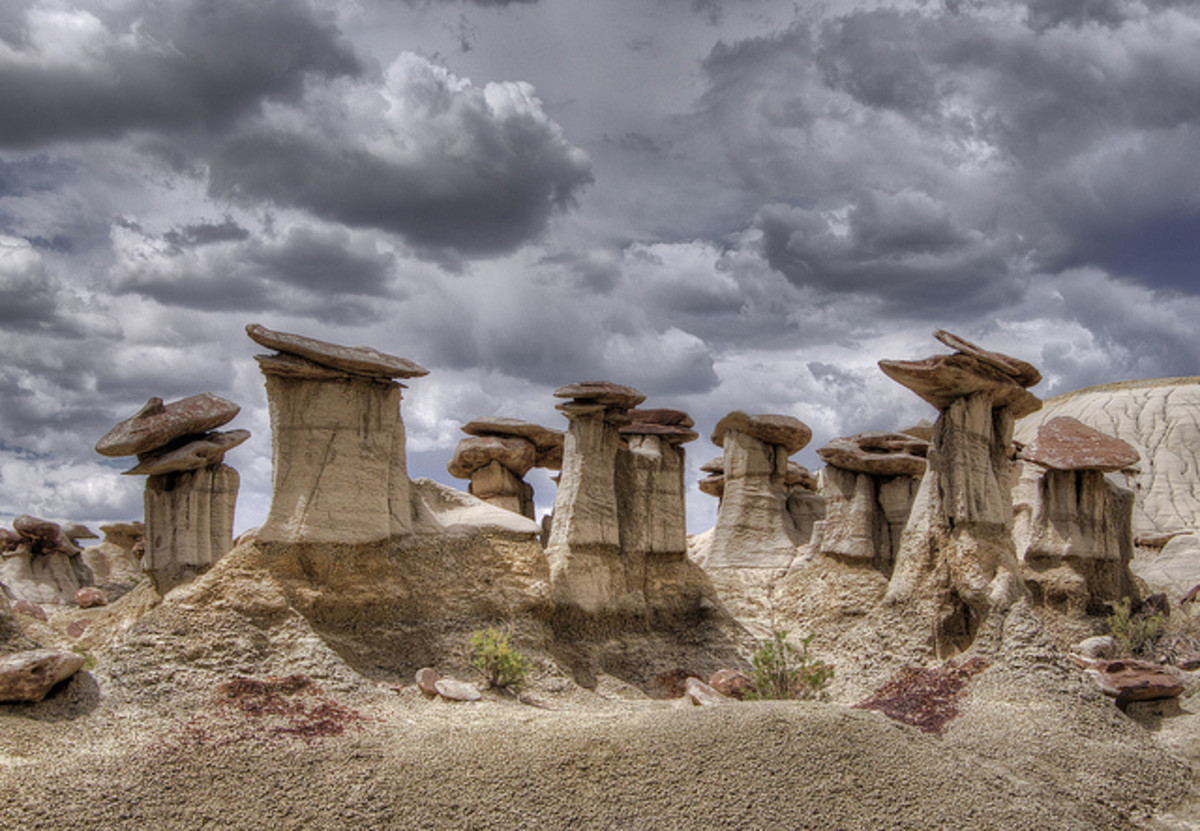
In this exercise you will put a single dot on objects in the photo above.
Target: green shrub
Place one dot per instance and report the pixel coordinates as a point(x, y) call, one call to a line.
point(89, 660)
point(783, 671)
point(1135, 634)
point(492, 655)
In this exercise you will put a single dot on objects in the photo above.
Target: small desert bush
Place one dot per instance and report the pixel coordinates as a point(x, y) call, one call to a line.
point(501, 664)
point(783, 671)
point(1135, 634)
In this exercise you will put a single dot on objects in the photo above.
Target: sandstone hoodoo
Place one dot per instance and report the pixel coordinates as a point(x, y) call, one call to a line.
point(338, 443)
point(869, 487)
point(190, 493)
point(498, 454)
point(41, 563)
point(112, 560)
point(1073, 524)
point(618, 541)
point(956, 554)
point(754, 527)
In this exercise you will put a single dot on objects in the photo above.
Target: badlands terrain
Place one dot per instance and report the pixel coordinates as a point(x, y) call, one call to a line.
point(960, 576)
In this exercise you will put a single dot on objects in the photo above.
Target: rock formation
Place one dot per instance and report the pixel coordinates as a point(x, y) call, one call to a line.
point(499, 452)
point(40, 563)
point(805, 503)
point(754, 528)
point(338, 445)
point(956, 555)
point(869, 486)
point(1072, 524)
point(112, 560)
point(618, 542)
point(190, 494)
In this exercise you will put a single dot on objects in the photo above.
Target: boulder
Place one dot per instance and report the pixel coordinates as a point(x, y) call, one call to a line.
point(29, 676)
point(731, 683)
point(783, 431)
point(878, 453)
point(453, 690)
point(191, 454)
point(427, 679)
point(157, 425)
point(90, 596)
point(24, 607)
point(1127, 680)
point(702, 694)
point(1066, 443)
point(356, 360)
point(1098, 647)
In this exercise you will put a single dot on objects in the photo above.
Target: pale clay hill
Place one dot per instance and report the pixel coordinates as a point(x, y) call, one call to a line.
point(269, 681)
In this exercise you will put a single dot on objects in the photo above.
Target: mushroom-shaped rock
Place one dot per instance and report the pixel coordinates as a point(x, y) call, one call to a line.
point(46, 536)
point(878, 453)
point(1065, 443)
point(547, 441)
point(515, 454)
point(123, 534)
point(1025, 374)
point(784, 431)
point(604, 393)
point(357, 360)
point(78, 531)
point(192, 454)
point(157, 425)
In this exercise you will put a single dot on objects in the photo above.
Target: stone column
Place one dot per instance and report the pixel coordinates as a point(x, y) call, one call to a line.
point(584, 550)
point(1073, 526)
point(190, 495)
point(338, 448)
point(956, 554)
point(754, 527)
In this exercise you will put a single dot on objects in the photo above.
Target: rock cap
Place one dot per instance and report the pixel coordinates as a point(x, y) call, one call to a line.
point(157, 425)
point(716, 465)
point(45, 535)
point(661, 415)
point(667, 432)
point(799, 475)
point(787, 432)
point(943, 379)
point(358, 360)
point(1024, 373)
point(515, 454)
point(79, 531)
point(193, 454)
point(604, 393)
point(1066, 443)
point(878, 453)
point(713, 485)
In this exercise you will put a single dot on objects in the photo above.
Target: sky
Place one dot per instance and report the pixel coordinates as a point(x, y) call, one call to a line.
point(727, 204)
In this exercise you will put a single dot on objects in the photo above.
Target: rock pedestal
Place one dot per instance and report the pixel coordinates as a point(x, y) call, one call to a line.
point(869, 486)
point(1073, 524)
point(651, 484)
point(190, 494)
point(338, 450)
point(754, 528)
point(584, 549)
point(41, 563)
point(956, 554)
point(499, 452)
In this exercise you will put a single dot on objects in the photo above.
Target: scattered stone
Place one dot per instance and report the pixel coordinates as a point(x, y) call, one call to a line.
point(358, 360)
point(703, 694)
point(1135, 680)
point(784, 431)
point(1065, 443)
point(1098, 647)
point(453, 690)
point(76, 628)
point(29, 676)
point(878, 453)
point(671, 684)
point(24, 607)
point(203, 451)
point(1155, 540)
point(1189, 661)
point(90, 596)
point(427, 679)
point(157, 425)
point(731, 683)
point(1191, 596)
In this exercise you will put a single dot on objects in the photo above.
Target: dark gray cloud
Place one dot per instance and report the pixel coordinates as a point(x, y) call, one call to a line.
point(450, 167)
point(206, 233)
point(99, 71)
